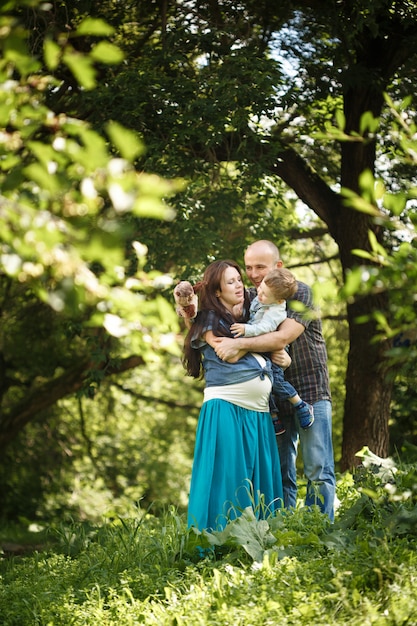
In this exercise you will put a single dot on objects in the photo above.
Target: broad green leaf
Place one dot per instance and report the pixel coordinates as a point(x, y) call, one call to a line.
point(395, 202)
point(88, 147)
point(253, 535)
point(353, 281)
point(146, 206)
point(379, 189)
point(376, 246)
point(42, 151)
point(97, 27)
point(367, 185)
point(247, 531)
point(382, 322)
point(362, 205)
point(5, 110)
point(52, 53)
point(340, 119)
point(9, 161)
point(363, 254)
point(82, 68)
point(42, 177)
point(368, 123)
point(108, 53)
point(128, 144)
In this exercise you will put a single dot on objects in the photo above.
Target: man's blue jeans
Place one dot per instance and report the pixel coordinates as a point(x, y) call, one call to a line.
point(317, 452)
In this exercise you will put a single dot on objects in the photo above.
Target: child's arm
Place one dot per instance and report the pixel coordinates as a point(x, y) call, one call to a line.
point(239, 330)
point(271, 319)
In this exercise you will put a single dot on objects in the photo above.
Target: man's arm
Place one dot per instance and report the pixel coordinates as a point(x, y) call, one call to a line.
point(288, 332)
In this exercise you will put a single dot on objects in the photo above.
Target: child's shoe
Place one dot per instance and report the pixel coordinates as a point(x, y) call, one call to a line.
point(305, 414)
point(278, 426)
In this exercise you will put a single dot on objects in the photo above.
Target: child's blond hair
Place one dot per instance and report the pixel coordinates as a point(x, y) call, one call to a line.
point(282, 283)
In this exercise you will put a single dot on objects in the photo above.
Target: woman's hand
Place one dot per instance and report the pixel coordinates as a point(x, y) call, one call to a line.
point(226, 349)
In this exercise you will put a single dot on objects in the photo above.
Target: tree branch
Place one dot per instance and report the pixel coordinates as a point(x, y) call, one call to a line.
point(43, 397)
point(308, 186)
point(169, 403)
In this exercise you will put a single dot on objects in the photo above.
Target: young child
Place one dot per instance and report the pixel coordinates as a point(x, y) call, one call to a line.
point(267, 312)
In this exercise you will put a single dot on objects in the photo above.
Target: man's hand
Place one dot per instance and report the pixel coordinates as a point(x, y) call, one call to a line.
point(226, 348)
point(281, 358)
point(238, 330)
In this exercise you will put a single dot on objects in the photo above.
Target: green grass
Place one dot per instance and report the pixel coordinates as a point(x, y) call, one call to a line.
point(295, 568)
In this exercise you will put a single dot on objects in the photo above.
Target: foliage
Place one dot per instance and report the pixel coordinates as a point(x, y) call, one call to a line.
point(72, 277)
point(294, 568)
point(209, 91)
point(185, 84)
point(65, 195)
point(90, 458)
point(248, 101)
point(390, 266)
point(133, 440)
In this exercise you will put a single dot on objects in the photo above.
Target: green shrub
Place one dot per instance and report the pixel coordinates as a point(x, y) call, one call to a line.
point(295, 568)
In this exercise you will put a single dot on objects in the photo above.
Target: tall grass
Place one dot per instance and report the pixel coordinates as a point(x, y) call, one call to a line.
point(293, 568)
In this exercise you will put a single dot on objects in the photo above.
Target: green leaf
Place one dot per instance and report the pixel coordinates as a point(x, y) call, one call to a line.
point(253, 535)
point(376, 246)
point(97, 27)
point(42, 177)
point(368, 123)
point(247, 531)
point(353, 280)
point(395, 202)
point(340, 119)
point(363, 254)
point(15, 50)
point(128, 144)
point(367, 185)
point(88, 148)
point(51, 53)
point(82, 68)
point(108, 53)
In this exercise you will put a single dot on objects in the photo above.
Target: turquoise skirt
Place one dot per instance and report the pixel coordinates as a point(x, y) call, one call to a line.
point(236, 465)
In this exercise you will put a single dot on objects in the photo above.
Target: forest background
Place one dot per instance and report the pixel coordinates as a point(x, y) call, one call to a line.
point(141, 141)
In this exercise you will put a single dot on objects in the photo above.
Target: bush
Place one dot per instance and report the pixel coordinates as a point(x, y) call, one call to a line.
point(293, 568)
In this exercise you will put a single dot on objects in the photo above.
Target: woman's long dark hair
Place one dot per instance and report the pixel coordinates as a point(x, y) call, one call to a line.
point(208, 301)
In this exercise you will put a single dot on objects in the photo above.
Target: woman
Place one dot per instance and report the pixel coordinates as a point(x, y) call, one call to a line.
point(236, 461)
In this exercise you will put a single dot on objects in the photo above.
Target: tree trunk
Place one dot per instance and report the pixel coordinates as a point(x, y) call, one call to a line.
point(368, 393)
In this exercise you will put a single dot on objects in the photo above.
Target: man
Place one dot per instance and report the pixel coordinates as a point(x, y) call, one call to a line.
point(308, 373)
